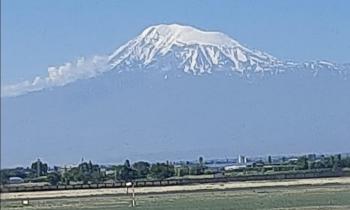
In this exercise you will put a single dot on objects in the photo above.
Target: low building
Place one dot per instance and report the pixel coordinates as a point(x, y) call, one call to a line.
point(110, 172)
point(235, 167)
point(16, 180)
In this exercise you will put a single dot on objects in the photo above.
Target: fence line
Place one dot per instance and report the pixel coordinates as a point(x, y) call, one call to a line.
point(169, 182)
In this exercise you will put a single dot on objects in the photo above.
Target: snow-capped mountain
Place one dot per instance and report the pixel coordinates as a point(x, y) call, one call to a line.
point(189, 49)
point(171, 50)
point(121, 106)
point(175, 47)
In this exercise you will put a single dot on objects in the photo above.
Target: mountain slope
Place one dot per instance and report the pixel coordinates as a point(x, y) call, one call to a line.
point(189, 49)
point(141, 116)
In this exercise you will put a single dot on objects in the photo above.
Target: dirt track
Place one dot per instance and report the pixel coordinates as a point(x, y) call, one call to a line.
point(173, 189)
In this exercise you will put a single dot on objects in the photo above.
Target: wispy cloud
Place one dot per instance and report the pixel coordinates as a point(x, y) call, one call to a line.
point(82, 68)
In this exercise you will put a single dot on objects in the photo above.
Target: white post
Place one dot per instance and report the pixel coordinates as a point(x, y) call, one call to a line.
point(133, 195)
point(131, 184)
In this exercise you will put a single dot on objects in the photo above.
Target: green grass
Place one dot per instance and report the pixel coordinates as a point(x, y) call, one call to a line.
point(295, 198)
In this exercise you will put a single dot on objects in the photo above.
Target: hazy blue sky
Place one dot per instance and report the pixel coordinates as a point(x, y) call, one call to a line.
point(37, 34)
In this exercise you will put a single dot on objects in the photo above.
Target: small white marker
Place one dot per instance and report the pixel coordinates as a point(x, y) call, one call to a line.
point(25, 202)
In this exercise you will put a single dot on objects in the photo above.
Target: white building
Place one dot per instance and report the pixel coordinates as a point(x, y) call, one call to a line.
point(242, 159)
point(16, 180)
point(234, 167)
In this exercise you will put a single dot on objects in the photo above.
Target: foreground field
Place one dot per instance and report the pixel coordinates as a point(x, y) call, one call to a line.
point(305, 194)
point(304, 198)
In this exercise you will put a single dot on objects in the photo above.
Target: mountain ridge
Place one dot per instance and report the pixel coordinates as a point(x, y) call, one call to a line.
point(175, 49)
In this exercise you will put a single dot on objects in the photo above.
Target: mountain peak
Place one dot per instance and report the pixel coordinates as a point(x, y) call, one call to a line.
point(194, 51)
point(187, 35)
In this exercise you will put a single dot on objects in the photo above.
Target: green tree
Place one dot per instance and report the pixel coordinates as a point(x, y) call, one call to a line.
point(162, 171)
point(127, 163)
point(54, 178)
point(85, 172)
point(39, 168)
point(127, 174)
point(345, 162)
point(201, 165)
point(317, 165)
point(182, 170)
point(195, 170)
point(16, 172)
point(269, 159)
point(302, 163)
point(124, 173)
point(90, 166)
point(201, 161)
point(142, 169)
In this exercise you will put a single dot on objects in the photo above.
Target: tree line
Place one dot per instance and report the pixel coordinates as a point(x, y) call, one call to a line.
point(87, 172)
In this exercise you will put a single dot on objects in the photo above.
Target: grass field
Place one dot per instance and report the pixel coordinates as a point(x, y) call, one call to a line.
point(307, 198)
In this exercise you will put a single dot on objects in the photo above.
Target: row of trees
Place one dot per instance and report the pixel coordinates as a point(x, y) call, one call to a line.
point(34, 172)
point(331, 162)
point(90, 173)
point(87, 172)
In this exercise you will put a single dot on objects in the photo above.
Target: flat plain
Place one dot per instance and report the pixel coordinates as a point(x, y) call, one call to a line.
point(303, 197)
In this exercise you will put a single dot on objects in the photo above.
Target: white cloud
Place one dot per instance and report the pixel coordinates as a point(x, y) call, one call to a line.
point(59, 76)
